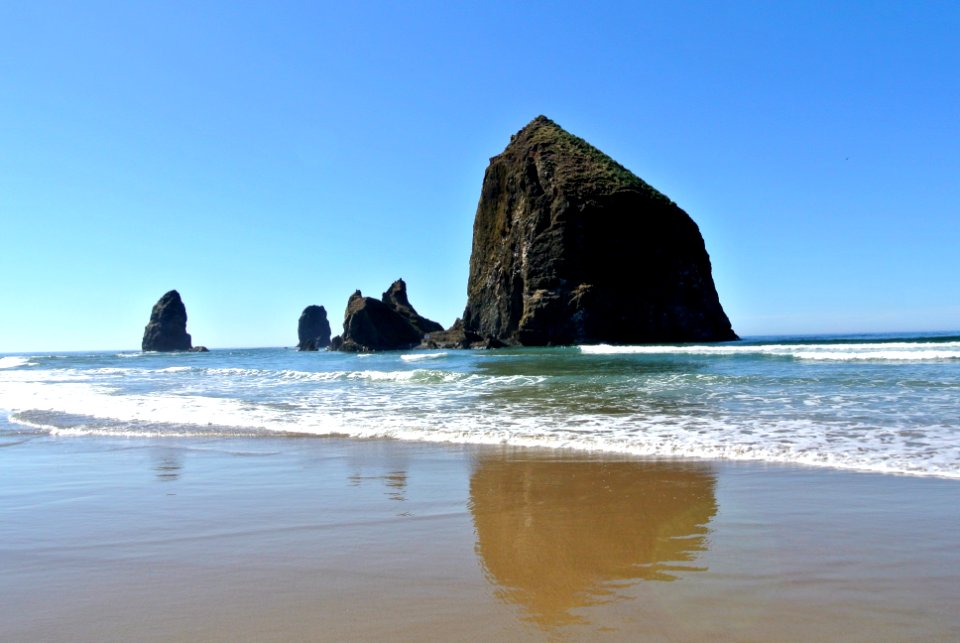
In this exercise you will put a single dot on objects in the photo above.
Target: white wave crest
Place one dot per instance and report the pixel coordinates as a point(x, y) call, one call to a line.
point(888, 356)
point(416, 357)
point(15, 362)
point(312, 376)
point(878, 351)
point(416, 376)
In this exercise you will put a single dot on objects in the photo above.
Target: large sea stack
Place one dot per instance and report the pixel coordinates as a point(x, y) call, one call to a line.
point(313, 329)
point(167, 329)
point(570, 247)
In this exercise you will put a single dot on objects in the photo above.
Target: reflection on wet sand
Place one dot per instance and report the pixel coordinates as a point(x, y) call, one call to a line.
point(557, 535)
point(167, 464)
point(395, 481)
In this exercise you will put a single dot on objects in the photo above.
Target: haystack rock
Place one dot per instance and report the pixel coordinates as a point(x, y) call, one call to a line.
point(569, 247)
point(167, 329)
point(313, 329)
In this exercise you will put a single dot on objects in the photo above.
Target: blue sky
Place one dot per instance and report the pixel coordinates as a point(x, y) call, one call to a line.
point(260, 157)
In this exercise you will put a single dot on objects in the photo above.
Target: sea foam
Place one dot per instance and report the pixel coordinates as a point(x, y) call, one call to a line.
point(880, 351)
point(14, 362)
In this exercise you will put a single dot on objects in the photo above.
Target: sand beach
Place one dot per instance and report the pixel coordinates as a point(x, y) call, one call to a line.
point(328, 539)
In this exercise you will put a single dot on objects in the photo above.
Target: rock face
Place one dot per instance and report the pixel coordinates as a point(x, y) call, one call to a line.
point(458, 337)
point(167, 329)
point(313, 329)
point(453, 337)
point(371, 325)
point(569, 247)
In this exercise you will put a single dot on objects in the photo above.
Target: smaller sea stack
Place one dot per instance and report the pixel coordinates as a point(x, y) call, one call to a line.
point(396, 297)
point(313, 330)
point(386, 325)
point(167, 329)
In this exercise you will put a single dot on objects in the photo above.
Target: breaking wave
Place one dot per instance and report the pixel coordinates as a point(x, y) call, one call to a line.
point(15, 362)
point(881, 351)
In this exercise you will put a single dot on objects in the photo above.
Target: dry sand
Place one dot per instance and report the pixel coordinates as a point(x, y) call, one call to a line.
point(329, 540)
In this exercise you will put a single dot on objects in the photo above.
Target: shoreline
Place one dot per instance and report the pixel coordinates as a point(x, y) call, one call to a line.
point(32, 429)
point(338, 538)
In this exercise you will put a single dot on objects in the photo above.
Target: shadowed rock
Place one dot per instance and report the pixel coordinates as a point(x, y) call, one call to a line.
point(453, 337)
point(167, 328)
point(569, 247)
point(396, 298)
point(371, 325)
point(457, 337)
point(313, 329)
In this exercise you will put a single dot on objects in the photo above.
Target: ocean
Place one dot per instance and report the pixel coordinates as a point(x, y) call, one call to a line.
point(888, 404)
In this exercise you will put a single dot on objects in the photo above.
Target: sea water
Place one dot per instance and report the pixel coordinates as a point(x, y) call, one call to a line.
point(879, 403)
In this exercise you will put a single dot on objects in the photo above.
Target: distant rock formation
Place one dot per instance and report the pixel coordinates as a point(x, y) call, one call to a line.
point(396, 298)
point(570, 247)
point(389, 324)
point(167, 329)
point(313, 329)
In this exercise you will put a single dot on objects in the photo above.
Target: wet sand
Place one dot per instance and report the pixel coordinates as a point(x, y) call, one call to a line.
point(327, 539)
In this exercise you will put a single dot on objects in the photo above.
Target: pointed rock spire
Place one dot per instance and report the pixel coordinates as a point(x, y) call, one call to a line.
point(396, 298)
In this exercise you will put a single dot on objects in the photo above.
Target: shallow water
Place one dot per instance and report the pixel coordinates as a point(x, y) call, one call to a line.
point(880, 403)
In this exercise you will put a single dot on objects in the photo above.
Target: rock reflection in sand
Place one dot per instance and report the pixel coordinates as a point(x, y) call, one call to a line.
point(167, 464)
point(395, 481)
point(556, 535)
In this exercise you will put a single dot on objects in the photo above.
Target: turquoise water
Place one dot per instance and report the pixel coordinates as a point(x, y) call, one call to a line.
point(879, 403)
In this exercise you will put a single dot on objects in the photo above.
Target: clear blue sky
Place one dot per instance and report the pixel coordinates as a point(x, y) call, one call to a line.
point(263, 156)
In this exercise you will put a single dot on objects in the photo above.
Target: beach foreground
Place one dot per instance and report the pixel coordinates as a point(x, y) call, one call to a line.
point(333, 539)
